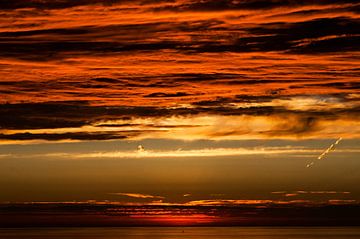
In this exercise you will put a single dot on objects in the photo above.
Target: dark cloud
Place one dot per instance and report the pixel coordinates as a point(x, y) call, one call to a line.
point(79, 113)
point(300, 37)
point(107, 214)
point(75, 87)
point(117, 125)
point(57, 115)
point(215, 103)
point(60, 49)
point(105, 80)
point(336, 85)
point(220, 5)
point(314, 12)
point(197, 5)
point(59, 4)
point(161, 95)
point(310, 29)
point(79, 87)
point(64, 136)
point(238, 99)
point(63, 115)
point(59, 43)
point(302, 125)
point(339, 44)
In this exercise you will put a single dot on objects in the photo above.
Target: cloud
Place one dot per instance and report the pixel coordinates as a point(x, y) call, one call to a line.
point(195, 213)
point(5, 156)
point(142, 153)
point(341, 202)
point(221, 5)
point(319, 35)
point(138, 195)
point(59, 4)
point(80, 70)
point(288, 118)
point(313, 36)
point(330, 148)
point(302, 193)
point(208, 5)
point(222, 202)
point(161, 94)
point(349, 85)
point(63, 136)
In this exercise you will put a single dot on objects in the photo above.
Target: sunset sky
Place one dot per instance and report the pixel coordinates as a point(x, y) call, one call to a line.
point(183, 103)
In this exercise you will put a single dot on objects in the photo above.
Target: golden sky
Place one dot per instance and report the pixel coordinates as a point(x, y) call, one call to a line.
point(190, 102)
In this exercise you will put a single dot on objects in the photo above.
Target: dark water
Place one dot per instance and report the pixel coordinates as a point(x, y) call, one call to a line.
point(178, 232)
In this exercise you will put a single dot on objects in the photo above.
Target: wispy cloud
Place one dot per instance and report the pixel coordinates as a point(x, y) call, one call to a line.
point(330, 148)
point(181, 153)
point(147, 153)
point(298, 193)
point(243, 202)
point(138, 195)
point(5, 156)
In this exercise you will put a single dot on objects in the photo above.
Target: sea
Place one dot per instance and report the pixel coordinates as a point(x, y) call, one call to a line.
point(183, 233)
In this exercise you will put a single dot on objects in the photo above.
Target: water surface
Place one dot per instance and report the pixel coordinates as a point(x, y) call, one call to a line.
point(179, 232)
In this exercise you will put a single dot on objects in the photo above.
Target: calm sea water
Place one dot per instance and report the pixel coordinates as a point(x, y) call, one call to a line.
point(178, 232)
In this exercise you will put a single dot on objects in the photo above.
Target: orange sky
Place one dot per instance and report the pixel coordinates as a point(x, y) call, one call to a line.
point(147, 101)
point(182, 58)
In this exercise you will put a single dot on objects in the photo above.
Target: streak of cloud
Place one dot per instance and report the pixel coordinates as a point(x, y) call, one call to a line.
point(297, 193)
point(322, 156)
point(183, 153)
point(332, 147)
point(138, 195)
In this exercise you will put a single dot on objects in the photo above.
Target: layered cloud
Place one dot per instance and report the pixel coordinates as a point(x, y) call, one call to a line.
point(104, 70)
point(280, 118)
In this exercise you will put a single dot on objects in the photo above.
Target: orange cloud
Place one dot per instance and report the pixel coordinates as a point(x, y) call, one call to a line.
point(137, 195)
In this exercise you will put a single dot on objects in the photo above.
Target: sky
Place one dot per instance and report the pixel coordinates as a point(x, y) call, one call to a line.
point(179, 103)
